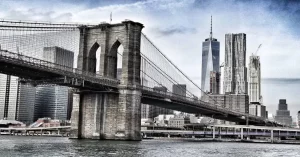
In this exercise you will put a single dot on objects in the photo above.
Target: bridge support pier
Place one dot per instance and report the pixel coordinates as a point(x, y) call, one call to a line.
point(272, 136)
point(214, 132)
point(110, 116)
point(242, 133)
point(107, 116)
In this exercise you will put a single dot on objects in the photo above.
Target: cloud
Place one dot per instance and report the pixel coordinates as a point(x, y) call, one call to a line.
point(175, 30)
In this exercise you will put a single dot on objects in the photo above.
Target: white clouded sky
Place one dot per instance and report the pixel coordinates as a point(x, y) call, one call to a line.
point(178, 27)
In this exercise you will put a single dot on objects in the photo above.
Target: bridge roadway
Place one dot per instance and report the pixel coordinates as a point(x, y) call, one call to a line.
point(190, 105)
point(44, 72)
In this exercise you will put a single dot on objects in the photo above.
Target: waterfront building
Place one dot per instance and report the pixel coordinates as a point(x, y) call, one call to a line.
point(179, 121)
point(179, 89)
point(254, 87)
point(16, 99)
point(163, 119)
point(214, 82)
point(26, 99)
point(298, 119)
point(235, 71)
point(210, 60)
point(154, 111)
point(9, 86)
point(283, 114)
point(145, 110)
point(257, 110)
point(11, 124)
point(235, 102)
point(53, 101)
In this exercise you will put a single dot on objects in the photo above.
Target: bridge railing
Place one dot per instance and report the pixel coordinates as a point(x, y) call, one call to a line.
point(57, 68)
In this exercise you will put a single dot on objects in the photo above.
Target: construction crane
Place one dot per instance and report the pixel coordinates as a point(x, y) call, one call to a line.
point(257, 50)
point(222, 65)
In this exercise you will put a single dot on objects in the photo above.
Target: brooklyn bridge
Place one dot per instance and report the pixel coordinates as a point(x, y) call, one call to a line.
point(115, 68)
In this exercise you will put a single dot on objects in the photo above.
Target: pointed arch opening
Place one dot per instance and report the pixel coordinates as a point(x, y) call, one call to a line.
point(115, 58)
point(94, 58)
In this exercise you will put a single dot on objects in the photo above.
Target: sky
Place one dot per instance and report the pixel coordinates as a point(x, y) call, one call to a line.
point(178, 28)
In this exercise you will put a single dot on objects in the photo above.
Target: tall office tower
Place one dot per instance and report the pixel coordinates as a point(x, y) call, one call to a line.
point(210, 60)
point(235, 102)
point(235, 71)
point(254, 88)
point(16, 99)
point(26, 98)
point(214, 82)
point(8, 96)
point(58, 56)
point(145, 110)
point(179, 89)
point(283, 114)
point(119, 73)
point(53, 101)
point(154, 111)
point(254, 78)
point(70, 104)
point(298, 119)
point(257, 110)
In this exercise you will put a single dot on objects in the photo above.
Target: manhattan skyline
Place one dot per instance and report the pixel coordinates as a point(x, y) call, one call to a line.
point(179, 27)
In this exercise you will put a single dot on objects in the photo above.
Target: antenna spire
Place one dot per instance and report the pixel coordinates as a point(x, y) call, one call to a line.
point(210, 28)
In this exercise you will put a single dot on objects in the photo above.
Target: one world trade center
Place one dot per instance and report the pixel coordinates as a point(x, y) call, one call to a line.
point(210, 61)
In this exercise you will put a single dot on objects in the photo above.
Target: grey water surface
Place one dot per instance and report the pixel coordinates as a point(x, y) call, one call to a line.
point(60, 146)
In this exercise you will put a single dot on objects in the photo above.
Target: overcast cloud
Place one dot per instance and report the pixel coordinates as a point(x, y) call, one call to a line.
point(178, 28)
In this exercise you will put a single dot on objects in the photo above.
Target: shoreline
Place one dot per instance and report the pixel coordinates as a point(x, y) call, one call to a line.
point(295, 142)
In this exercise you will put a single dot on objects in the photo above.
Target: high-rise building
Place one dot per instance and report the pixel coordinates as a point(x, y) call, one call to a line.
point(254, 78)
point(26, 99)
point(235, 71)
point(16, 99)
point(210, 60)
point(298, 119)
point(236, 102)
point(283, 114)
point(214, 82)
point(154, 111)
point(119, 73)
point(254, 88)
point(53, 101)
point(257, 110)
point(9, 86)
point(179, 89)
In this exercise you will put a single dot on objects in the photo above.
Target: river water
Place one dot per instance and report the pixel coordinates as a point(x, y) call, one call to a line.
point(59, 146)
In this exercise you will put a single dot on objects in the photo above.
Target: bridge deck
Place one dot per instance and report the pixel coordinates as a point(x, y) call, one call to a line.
point(48, 72)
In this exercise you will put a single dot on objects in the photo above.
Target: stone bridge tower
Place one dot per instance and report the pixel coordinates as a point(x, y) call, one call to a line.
point(109, 115)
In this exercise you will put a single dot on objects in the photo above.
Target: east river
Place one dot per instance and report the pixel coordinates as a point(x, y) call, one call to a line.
point(59, 146)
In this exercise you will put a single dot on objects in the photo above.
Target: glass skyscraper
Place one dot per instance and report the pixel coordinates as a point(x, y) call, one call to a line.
point(210, 60)
point(53, 101)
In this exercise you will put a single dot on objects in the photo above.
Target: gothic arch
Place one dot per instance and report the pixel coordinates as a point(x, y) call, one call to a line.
point(93, 58)
point(112, 59)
